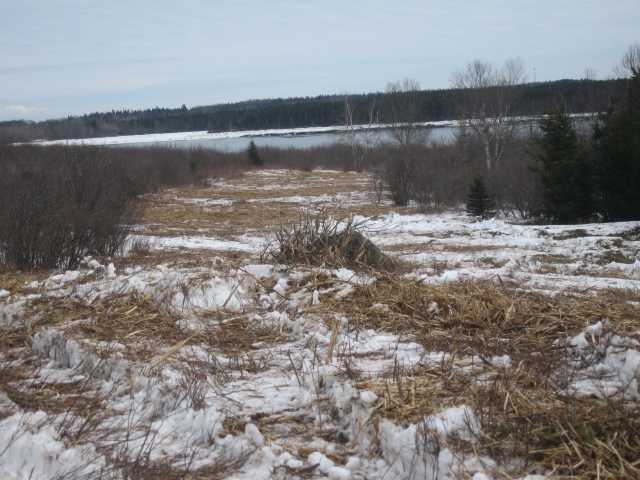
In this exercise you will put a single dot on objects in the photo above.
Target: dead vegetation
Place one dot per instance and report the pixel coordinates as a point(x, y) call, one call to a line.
point(525, 408)
point(324, 241)
point(528, 416)
point(255, 203)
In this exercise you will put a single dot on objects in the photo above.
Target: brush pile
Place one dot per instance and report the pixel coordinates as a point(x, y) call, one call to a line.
point(323, 241)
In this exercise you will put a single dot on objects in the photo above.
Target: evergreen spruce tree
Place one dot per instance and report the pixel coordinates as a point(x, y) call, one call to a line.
point(617, 161)
point(253, 155)
point(480, 203)
point(565, 174)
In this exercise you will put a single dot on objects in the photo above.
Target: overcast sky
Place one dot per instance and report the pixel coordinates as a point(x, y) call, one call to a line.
point(71, 57)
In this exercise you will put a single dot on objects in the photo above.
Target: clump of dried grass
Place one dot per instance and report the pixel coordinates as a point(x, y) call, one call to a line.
point(324, 241)
point(142, 467)
point(236, 336)
point(522, 416)
point(629, 294)
point(126, 318)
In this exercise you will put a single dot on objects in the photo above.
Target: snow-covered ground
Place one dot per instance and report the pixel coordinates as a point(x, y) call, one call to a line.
point(237, 369)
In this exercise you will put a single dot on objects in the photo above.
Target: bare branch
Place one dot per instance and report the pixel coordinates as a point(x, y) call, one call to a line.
point(361, 138)
point(631, 59)
point(485, 100)
point(403, 112)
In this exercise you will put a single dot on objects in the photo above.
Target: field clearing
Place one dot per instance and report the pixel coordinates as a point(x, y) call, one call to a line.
point(255, 202)
point(494, 350)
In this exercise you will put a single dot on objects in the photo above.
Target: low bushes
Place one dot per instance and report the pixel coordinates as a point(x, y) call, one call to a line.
point(58, 204)
point(435, 176)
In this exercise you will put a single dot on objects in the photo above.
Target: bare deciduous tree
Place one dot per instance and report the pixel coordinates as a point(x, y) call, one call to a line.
point(630, 63)
point(485, 98)
point(406, 139)
point(402, 113)
point(361, 138)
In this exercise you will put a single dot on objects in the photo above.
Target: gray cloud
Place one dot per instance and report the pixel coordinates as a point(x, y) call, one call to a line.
point(75, 57)
point(90, 64)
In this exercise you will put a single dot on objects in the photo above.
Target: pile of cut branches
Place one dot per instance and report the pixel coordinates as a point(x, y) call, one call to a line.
point(323, 241)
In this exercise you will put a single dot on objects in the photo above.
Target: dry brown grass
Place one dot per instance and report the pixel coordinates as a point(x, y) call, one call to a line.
point(523, 408)
point(237, 336)
point(120, 465)
point(131, 319)
point(255, 203)
point(144, 327)
point(285, 183)
point(15, 280)
point(122, 318)
point(629, 294)
point(474, 306)
point(189, 259)
point(552, 259)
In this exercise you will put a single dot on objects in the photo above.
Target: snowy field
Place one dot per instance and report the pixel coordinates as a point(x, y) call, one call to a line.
point(189, 357)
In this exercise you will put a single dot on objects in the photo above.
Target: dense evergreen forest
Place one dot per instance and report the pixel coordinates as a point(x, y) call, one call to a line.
point(578, 96)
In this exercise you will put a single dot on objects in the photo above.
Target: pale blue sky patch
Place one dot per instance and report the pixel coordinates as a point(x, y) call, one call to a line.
point(71, 57)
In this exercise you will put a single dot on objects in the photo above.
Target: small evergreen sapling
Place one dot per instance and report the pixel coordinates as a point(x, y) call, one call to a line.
point(253, 155)
point(480, 202)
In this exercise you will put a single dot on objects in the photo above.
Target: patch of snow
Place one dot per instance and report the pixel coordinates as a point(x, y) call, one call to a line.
point(368, 398)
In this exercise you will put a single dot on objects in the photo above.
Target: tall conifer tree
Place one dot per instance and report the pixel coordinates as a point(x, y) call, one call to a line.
point(565, 176)
point(617, 147)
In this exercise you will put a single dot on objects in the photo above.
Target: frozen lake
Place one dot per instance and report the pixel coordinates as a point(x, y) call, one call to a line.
point(236, 141)
point(291, 140)
point(302, 138)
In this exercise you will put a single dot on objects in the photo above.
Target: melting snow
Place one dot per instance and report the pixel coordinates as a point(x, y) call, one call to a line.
point(297, 382)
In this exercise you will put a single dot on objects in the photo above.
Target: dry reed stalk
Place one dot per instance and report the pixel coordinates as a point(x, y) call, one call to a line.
point(332, 343)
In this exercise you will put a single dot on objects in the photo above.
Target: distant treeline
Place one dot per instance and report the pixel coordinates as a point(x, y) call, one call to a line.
point(578, 96)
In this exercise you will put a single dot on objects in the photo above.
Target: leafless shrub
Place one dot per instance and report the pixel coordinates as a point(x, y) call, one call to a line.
point(399, 176)
point(58, 205)
point(140, 246)
point(377, 185)
point(515, 185)
point(441, 179)
point(432, 177)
